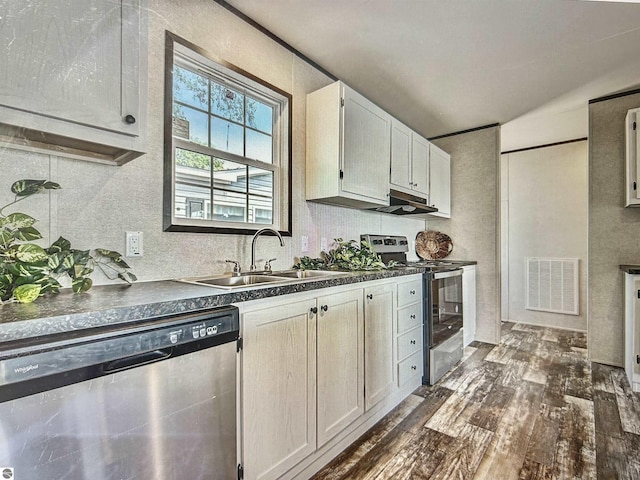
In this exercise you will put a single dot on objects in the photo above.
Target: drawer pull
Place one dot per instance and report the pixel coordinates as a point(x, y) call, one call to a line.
point(370, 296)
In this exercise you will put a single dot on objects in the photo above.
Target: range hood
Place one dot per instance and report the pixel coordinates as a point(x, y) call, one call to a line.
point(401, 203)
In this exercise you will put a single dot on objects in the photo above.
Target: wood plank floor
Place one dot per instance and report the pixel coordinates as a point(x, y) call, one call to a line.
point(533, 407)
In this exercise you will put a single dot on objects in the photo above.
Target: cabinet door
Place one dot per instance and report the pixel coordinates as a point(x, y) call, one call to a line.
point(400, 156)
point(420, 165)
point(379, 319)
point(366, 148)
point(75, 60)
point(278, 389)
point(440, 191)
point(340, 362)
point(632, 154)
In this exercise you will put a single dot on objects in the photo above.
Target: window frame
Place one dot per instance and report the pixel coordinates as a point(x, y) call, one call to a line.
point(281, 134)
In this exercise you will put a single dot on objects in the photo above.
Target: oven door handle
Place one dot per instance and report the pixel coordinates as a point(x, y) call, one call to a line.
point(447, 274)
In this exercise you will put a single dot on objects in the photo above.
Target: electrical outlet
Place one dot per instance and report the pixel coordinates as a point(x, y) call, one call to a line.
point(323, 244)
point(304, 244)
point(133, 244)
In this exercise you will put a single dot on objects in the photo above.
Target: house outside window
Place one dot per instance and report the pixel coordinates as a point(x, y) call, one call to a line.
point(227, 169)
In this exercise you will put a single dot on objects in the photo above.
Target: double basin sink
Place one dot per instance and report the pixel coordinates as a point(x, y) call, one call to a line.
point(252, 279)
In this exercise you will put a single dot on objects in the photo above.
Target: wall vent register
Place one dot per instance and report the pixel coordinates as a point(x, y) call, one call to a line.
point(552, 285)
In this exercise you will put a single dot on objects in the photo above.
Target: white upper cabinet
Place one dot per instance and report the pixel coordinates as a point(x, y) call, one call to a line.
point(348, 149)
point(440, 182)
point(632, 158)
point(409, 161)
point(72, 77)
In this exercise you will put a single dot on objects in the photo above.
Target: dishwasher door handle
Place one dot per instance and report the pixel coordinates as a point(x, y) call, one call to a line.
point(137, 360)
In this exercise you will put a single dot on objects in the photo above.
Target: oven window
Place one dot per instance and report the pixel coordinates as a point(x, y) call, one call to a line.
point(446, 308)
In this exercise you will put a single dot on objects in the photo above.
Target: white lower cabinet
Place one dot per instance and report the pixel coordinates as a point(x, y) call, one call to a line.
point(409, 334)
point(380, 314)
point(340, 362)
point(318, 369)
point(469, 303)
point(632, 330)
point(278, 388)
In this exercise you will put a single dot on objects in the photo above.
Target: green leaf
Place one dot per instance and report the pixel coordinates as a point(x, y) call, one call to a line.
point(18, 220)
point(121, 263)
point(108, 253)
point(27, 234)
point(127, 277)
point(30, 253)
point(81, 256)
point(7, 237)
point(27, 293)
point(24, 188)
point(60, 245)
point(82, 284)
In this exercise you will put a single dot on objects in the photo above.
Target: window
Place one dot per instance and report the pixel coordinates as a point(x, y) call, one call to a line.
point(227, 147)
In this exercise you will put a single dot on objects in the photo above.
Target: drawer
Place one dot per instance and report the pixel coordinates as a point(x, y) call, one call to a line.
point(443, 357)
point(409, 368)
point(410, 342)
point(409, 292)
point(409, 317)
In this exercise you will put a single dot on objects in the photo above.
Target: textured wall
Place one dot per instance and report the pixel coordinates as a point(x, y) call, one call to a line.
point(474, 223)
point(98, 203)
point(614, 231)
point(547, 217)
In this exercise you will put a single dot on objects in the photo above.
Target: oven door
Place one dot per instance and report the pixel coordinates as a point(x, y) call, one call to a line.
point(445, 309)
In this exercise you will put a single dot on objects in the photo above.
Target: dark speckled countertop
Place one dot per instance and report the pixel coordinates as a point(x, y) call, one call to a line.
point(70, 315)
point(632, 269)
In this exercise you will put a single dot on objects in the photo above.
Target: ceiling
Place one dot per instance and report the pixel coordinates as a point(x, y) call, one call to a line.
point(446, 66)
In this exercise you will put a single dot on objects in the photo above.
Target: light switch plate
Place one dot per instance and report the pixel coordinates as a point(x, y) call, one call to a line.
point(323, 244)
point(304, 244)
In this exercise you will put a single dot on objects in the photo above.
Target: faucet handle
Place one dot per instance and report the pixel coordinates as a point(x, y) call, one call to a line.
point(267, 265)
point(236, 266)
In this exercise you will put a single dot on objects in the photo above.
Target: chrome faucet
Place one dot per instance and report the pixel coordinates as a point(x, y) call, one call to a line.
point(253, 245)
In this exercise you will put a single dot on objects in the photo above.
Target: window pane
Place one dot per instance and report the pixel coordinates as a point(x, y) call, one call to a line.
point(187, 158)
point(192, 202)
point(259, 146)
point(229, 206)
point(226, 102)
point(260, 210)
point(190, 88)
point(259, 116)
point(260, 182)
point(226, 136)
point(193, 121)
point(229, 176)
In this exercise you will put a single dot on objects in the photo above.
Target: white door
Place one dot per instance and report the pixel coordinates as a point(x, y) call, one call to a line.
point(400, 156)
point(420, 165)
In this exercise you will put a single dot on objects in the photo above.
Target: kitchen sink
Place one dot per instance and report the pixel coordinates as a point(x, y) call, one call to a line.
point(232, 282)
point(245, 280)
point(308, 274)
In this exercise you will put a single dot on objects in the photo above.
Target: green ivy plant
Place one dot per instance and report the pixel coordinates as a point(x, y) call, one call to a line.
point(347, 255)
point(28, 271)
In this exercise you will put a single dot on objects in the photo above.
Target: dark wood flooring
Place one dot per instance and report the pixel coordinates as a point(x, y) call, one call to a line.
point(533, 407)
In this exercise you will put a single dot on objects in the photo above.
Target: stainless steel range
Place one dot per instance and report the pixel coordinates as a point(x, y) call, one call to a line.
point(442, 309)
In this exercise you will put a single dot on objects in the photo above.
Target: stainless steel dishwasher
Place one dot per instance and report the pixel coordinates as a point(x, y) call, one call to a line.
point(151, 401)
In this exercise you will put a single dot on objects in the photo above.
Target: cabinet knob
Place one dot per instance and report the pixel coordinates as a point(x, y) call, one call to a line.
point(314, 310)
point(413, 367)
point(370, 296)
point(412, 292)
point(413, 317)
point(324, 308)
point(413, 342)
point(130, 119)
